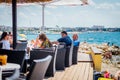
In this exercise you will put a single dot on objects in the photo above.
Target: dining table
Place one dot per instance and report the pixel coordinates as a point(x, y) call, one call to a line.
point(10, 66)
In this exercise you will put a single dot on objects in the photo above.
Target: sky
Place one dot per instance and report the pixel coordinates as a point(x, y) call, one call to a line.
point(98, 12)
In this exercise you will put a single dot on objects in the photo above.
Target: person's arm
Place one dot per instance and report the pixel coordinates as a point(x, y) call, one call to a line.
point(42, 47)
point(55, 42)
point(60, 40)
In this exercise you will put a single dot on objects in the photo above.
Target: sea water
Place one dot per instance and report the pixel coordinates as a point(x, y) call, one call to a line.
point(90, 37)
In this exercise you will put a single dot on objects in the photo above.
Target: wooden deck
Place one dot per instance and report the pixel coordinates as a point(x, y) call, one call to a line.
point(80, 71)
point(82, 57)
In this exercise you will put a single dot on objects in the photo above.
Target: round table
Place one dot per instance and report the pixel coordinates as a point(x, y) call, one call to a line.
point(10, 66)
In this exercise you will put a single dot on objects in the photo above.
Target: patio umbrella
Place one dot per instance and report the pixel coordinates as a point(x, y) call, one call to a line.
point(70, 2)
point(60, 3)
point(43, 3)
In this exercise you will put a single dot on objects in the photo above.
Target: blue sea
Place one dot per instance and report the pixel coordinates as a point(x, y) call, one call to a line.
point(90, 37)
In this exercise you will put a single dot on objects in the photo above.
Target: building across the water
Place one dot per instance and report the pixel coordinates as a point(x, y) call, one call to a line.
point(36, 30)
point(98, 27)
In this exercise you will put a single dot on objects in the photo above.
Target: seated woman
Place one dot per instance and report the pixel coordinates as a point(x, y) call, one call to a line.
point(45, 42)
point(75, 40)
point(36, 43)
point(5, 40)
point(10, 38)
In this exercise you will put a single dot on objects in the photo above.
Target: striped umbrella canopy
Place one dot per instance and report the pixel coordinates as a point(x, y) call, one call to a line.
point(24, 1)
point(59, 2)
point(70, 2)
point(41, 2)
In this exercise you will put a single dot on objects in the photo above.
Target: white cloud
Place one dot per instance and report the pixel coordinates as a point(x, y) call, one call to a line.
point(117, 4)
point(27, 9)
point(65, 16)
point(116, 13)
point(91, 2)
point(105, 6)
point(2, 17)
point(52, 7)
point(48, 12)
point(21, 14)
point(33, 14)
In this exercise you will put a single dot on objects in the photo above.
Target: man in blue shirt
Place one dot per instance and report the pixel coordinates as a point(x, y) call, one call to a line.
point(65, 38)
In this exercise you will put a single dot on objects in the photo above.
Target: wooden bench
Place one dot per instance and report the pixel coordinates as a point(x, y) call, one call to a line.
point(96, 56)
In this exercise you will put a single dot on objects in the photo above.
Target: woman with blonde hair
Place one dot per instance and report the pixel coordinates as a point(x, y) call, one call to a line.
point(45, 41)
point(37, 42)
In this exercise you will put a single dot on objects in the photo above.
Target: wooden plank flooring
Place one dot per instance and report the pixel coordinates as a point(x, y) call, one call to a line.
point(81, 71)
point(84, 57)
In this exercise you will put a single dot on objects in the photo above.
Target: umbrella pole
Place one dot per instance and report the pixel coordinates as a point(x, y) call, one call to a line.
point(43, 27)
point(14, 22)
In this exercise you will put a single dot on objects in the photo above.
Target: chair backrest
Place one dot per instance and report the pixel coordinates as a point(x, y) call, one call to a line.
point(63, 44)
point(1, 45)
point(23, 40)
point(60, 58)
point(75, 54)
point(42, 53)
point(70, 54)
point(14, 56)
point(39, 68)
point(56, 51)
point(21, 46)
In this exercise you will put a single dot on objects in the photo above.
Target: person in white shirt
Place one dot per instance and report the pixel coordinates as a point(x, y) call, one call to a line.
point(5, 42)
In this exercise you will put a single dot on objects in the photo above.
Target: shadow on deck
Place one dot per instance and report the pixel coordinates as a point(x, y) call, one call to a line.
point(81, 71)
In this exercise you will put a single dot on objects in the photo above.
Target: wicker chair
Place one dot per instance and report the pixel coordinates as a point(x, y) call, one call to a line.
point(60, 58)
point(37, 70)
point(21, 45)
point(1, 45)
point(14, 56)
point(68, 55)
point(75, 55)
point(42, 53)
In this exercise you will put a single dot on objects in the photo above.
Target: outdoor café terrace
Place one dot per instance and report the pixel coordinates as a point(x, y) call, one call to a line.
point(57, 63)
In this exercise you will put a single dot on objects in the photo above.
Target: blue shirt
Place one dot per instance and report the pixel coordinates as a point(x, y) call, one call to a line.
point(6, 44)
point(76, 43)
point(66, 40)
